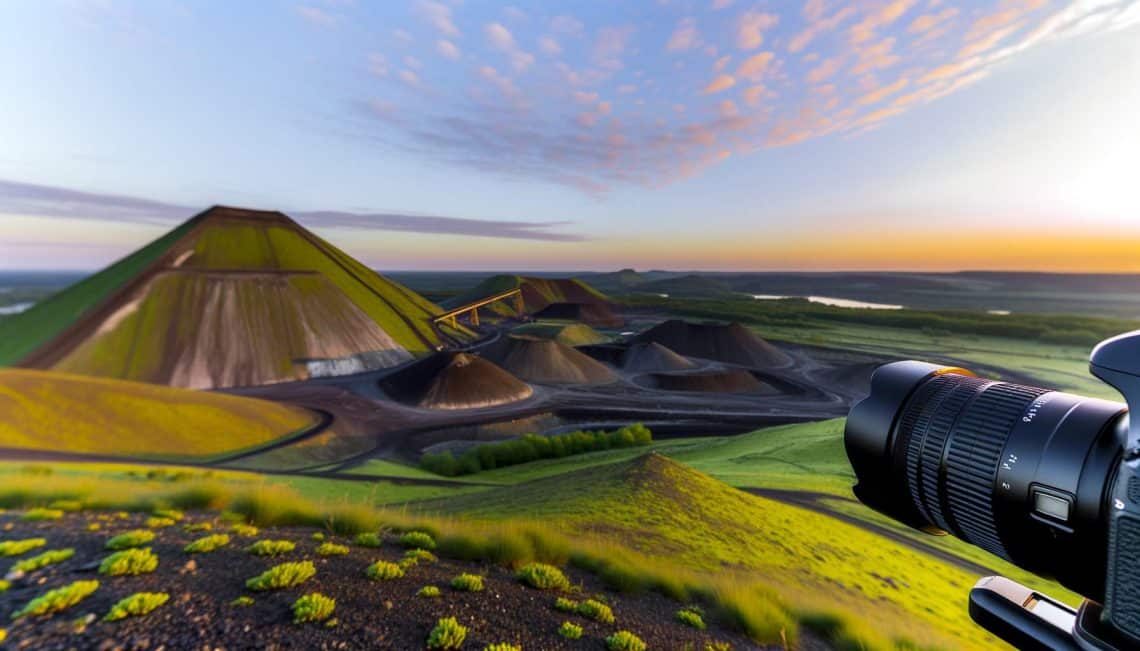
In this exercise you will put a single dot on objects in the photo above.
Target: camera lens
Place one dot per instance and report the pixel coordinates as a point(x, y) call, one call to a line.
point(1020, 471)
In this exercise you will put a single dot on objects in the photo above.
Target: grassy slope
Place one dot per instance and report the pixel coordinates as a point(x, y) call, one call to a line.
point(569, 333)
point(55, 411)
point(685, 517)
point(23, 333)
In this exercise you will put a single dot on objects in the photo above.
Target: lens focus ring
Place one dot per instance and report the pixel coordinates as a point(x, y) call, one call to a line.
point(954, 430)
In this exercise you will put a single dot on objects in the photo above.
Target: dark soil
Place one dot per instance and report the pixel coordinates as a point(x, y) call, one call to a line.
point(369, 614)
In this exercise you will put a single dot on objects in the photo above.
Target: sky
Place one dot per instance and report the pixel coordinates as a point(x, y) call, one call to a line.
point(922, 135)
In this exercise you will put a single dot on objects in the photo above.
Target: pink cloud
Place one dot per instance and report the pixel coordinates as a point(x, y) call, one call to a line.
point(880, 94)
point(817, 27)
point(549, 46)
point(825, 70)
point(927, 22)
point(756, 65)
point(447, 49)
point(884, 16)
point(438, 15)
point(721, 82)
point(684, 36)
point(750, 28)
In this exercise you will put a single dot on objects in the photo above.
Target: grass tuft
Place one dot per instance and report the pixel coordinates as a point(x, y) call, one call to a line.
point(502, 646)
point(570, 630)
point(368, 539)
point(170, 514)
point(196, 527)
point(17, 547)
point(50, 557)
point(245, 530)
point(38, 515)
point(140, 603)
point(543, 577)
point(57, 600)
point(207, 544)
point(417, 540)
point(448, 633)
point(242, 601)
point(129, 562)
point(285, 575)
point(691, 618)
point(313, 607)
point(332, 549)
point(596, 610)
point(566, 605)
point(156, 522)
point(384, 571)
point(129, 539)
point(271, 547)
point(468, 583)
point(624, 641)
point(420, 555)
point(429, 591)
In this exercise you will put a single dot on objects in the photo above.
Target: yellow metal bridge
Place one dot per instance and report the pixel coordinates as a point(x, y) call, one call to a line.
point(451, 317)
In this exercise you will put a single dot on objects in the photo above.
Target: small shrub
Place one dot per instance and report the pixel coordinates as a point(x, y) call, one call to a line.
point(502, 646)
point(59, 599)
point(170, 514)
point(624, 641)
point(570, 631)
point(67, 506)
point(313, 607)
point(407, 563)
point(318, 536)
point(447, 634)
point(4, 585)
point(196, 527)
point(692, 618)
point(207, 544)
point(37, 515)
point(285, 575)
point(417, 540)
point(129, 562)
point(159, 523)
point(384, 571)
point(245, 530)
point(140, 603)
point(566, 605)
point(543, 577)
point(271, 547)
point(368, 539)
point(129, 539)
point(50, 557)
point(429, 591)
point(332, 549)
point(93, 526)
point(17, 547)
point(244, 600)
point(468, 583)
point(421, 555)
point(596, 610)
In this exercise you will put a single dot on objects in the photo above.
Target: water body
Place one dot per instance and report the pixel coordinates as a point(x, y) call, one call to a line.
point(15, 308)
point(999, 312)
point(832, 301)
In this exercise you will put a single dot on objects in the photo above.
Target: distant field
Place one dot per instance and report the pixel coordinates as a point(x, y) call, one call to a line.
point(69, 413)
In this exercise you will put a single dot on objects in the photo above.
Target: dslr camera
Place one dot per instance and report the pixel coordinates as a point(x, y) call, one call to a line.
point(1049, 481)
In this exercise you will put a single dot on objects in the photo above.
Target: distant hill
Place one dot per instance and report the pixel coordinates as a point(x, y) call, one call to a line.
point(232, 297)
point(732, 343)
point(75, 414)
point(538, 293)
point(691, 285)
point(625, 280)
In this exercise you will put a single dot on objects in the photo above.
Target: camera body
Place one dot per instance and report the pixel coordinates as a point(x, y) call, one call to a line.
point(1047, 480)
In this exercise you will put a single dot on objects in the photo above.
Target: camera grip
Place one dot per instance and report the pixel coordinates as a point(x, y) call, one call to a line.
point(1122, 592)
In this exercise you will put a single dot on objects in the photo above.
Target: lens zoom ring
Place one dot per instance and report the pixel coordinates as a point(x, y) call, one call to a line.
point(942, 422)
point(916, 426)
point(973, 457)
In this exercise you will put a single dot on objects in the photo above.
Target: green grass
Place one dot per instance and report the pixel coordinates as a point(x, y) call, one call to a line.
point(467, 583)
point(129, 562)
point(271, 547)
point(543, 577)
point(155, 522)
point(41, 514)
point(447, 633)
point(570, 630)
point(313, 607)
point(285, 575)
point(368, 539)
point(384, 571)
point(58, 599)
point(136, 605)
point(417, 540)
point(40, 561)
point(128, 539)
point(691, 618)
point(420, 555)
point(18, 547)
point(207, 544)
point(595, 610)
point(624, 641)
point(332, 549)
point(429, 591)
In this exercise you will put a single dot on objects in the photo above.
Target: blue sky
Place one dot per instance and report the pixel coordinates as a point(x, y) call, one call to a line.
point(705, 134)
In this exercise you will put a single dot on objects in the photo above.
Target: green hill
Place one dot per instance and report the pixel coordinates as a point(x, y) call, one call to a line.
point(538, 293)
point(570, 334)
point(232, 297)
point(682, 517)
point(74, 414)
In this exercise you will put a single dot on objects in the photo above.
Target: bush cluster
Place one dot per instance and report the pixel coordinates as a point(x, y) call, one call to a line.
point(37, 515)
point(596, 610)
point(448, 633)
point(368, 539)
point(624, 641)
point(420, 555)
point(170, 514)
point(468, 583)
point(245, 530)
point(140, 603)
point(313, 607)
point(502, 646)
point(17, 547)
point(50, 557)
point(417, 540)
point(129, 562)
point(533, 447)
point(59, 599)
point(207, 544)
point(570, 630)
point(271, 547)
point(429, 591)
point(197, 527)
point(690, 617)
point(332, 549)
point(384, 571)
point(134, 538)
point(543, 577)
point(156, 522)
point(285, 575)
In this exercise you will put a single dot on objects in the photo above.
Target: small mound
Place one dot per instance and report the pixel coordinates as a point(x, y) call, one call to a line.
point(594, 314)
point(550, 362)
point(571, 334)
point(732, 343)
point(644, 357)
point(455, 381)
point(730, 381)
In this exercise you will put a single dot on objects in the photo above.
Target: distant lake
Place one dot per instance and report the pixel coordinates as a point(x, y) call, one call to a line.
point(15, 308)
point(832, 301)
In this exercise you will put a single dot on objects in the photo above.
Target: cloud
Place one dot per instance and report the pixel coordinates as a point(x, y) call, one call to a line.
point(927, 22)
point(879, 94)
point(549, 46)
point(825, 70)
point(447, 49)
point(875, 57)
point(720, 83)
point(750, 28)
point(499, 81)
point(17, 198)
point(502, 39)
point(316, 16)
point(884, 16)
point(817, 26)
point(566, 25)
point(755, 66)
point(438, 15)
point(717, 5)
point(684, 36)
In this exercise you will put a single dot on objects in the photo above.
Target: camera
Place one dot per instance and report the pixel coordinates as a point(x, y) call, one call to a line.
point(1047, 480)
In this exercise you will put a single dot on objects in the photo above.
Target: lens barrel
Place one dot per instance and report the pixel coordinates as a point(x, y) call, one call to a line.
point(1020, 471)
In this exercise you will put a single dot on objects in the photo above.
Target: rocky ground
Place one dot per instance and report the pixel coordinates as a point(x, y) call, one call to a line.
point(369, 614)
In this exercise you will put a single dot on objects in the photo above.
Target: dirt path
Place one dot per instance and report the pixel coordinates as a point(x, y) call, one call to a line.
point(813, 501)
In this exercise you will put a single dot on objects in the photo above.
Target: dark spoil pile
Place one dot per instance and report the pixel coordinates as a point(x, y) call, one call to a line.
point(370, 614)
